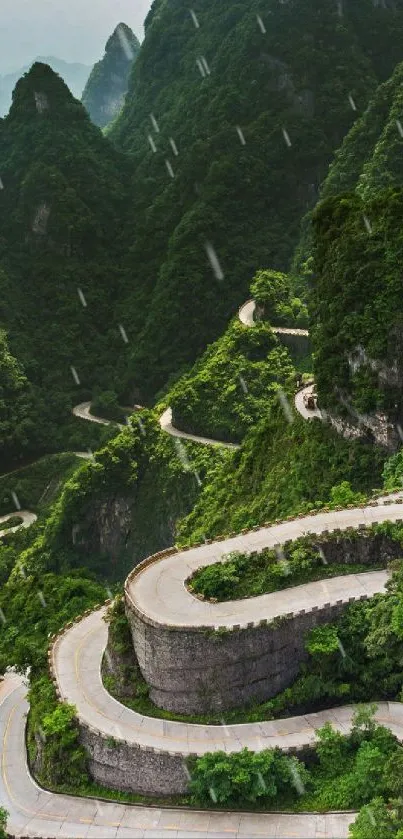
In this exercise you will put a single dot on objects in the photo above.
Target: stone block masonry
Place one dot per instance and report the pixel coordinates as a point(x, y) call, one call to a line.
point(195, 670)
point(130, 768)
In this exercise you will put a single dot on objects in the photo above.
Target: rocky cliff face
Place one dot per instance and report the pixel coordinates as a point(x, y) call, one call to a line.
point(106, 89)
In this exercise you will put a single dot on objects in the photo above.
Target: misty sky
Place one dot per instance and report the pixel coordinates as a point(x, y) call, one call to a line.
point(74, 30)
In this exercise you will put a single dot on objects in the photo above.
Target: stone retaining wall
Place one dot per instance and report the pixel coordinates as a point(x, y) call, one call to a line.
point(129, 768)
point(196, 670)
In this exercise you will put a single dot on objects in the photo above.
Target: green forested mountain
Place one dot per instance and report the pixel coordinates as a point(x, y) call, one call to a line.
point(63, 207)
point(74, 74)
point(357, 310)
point(106, 88)
point(231, 120)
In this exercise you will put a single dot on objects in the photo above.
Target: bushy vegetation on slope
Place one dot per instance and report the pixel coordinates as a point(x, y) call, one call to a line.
point(17, 407)
point(282, 468)
point(233, 384)
point(123, 505)
point(106, 88)
point(238, 184)
point(354, 247)
point(63, 210)
point(357, 310)
point(273, 294)
point(347, 771)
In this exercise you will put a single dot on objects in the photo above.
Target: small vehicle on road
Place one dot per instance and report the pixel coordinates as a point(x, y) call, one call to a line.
point(310, 401)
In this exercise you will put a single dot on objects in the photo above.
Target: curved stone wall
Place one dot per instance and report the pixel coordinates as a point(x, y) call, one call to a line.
point(196, 670)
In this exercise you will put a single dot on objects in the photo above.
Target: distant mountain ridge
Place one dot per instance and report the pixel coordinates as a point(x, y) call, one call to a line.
point(106, 89)
point(74, 74)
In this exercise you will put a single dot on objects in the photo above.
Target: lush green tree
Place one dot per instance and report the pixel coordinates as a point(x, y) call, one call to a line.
point(244, 777)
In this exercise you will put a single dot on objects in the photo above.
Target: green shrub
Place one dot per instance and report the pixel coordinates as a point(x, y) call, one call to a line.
point(242, 778)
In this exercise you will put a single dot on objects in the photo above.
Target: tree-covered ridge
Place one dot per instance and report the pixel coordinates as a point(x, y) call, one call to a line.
point(264, 114)
point(63, 210)
point(232, 385)
point(282, 468)
point(106, 88)
point(357, 310)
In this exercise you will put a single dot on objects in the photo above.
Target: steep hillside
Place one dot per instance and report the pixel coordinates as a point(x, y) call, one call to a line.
point(231, 386)
point(357, 311)
point(106, 88)
point(232, 117)
point(63, 207)
point(282, 468)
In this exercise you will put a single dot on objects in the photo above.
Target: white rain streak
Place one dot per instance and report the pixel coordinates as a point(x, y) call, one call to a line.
point(371, 817)
point(262, 783)
point(244, 386)
point(1, 184)
point(154, 124)
point(261, 25)
point(41, 102)
point(74, 533)
point(352, 103)
point(198, 478)
point(296, 780)
point(201, 68)
point(141, 426)
point(170, 170)
point(287, 138)
point(367, 224)
point(186, 771)
point(214, 261)
point(22, 572)
point(282, 560)
point(82, 298)
point(241, 135)
point(339, 4)
point(152, 143)
point(400, 433)
point(225, 727)
point(182, 454)
point(322, 556)
point(195, 19)
point(399, 127)
point(90, 454)
point(288, 412)
point(109, 593)
point(123, 333)
point(205, 65)
point(42, 734)
point(341, 648)
point(16, 500)
point(174, 147)
point(42, 599)
point(213, 795)
point(125, 43)
point(75, 375)
point(2, 616)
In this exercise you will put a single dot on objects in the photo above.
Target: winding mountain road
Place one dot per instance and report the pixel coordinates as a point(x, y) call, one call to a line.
point(34, 812)
point(158, 590)
point(166, 425)
point(27, 516)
